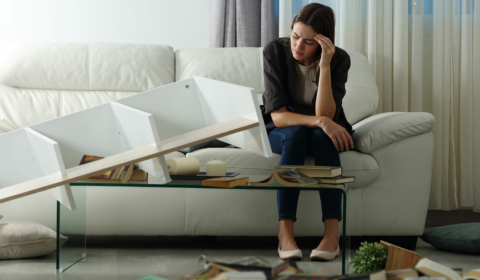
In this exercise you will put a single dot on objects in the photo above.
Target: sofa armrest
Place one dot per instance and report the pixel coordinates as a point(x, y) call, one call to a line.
point(382, 129)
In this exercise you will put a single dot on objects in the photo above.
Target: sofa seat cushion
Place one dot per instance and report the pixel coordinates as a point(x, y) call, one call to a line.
point(363, 166)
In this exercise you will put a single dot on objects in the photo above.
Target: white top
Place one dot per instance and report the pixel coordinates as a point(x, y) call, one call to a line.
point(305, 90)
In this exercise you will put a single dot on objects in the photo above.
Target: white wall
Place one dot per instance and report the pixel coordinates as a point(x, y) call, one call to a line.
point(178, 23)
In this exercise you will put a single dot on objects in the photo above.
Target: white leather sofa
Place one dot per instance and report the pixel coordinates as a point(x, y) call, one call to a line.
point(392, 159)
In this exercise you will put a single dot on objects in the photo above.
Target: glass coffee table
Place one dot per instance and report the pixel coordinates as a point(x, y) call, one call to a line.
point(71, 225)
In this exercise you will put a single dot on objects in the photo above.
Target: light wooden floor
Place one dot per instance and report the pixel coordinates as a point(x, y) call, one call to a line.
point(173, 257)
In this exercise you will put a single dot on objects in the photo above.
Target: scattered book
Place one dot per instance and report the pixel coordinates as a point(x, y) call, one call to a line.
point(356, 276)
point(430, 268)
point(225, 182)
point(201, 176)
point(473, 274)
point(287, 267)
point(120, 174)
point(287, 177)
point(379, 275)
point(292, 178)
point(151, 277)
point(401, 274)
point(315, 171)
point(105, 175)
point(209, 272)
point(458, 270)
point(244, 275)
point(425, 278)
point(138, 174)
point(228, 267)
point(214, 273)
point(310, 277)
point(336, 180)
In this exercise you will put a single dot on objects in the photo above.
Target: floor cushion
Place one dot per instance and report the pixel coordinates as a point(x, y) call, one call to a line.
point(461, 238)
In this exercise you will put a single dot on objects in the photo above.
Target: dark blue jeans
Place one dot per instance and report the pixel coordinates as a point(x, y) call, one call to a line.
point(294, 143)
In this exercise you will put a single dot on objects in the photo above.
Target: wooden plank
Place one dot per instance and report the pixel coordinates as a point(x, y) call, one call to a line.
point(129, 157)
point(398, 257)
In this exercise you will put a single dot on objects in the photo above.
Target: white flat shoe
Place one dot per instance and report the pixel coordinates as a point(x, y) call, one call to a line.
point(294, 254)
point(323, 255)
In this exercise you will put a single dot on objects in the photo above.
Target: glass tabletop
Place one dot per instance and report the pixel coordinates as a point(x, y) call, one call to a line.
point(71, 225)
point(154, 182)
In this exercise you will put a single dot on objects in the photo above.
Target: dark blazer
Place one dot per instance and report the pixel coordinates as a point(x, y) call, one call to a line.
point(281, 81)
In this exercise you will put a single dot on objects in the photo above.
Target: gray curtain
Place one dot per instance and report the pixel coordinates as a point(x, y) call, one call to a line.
point(242, 23)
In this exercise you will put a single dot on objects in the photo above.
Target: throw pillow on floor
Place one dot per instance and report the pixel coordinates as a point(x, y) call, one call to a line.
point(24, 239)
point(461, 238)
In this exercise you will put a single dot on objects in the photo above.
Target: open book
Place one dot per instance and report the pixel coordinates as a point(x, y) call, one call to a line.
point(294, 178)
point(434, 269)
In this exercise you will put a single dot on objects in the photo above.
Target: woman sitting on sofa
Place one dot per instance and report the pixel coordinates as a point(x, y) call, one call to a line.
point(305, 76)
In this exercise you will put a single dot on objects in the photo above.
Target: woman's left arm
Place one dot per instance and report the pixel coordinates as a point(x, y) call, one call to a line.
point(331, 85)
point(330, 92)
point(325, 104)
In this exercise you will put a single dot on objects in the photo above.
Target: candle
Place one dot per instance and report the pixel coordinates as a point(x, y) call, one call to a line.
point(183, 166)
point(216, 168)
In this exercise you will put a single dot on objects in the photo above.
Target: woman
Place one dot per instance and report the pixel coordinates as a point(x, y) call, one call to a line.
point(305, 78)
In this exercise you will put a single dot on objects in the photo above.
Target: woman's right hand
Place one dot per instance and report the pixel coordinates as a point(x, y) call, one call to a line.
point(339, 135)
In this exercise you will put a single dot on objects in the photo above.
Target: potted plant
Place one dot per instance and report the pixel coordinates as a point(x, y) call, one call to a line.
point(371, 257)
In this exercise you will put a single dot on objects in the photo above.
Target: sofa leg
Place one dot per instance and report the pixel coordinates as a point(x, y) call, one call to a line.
point(406, 242)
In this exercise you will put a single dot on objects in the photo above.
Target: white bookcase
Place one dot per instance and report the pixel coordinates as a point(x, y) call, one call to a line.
point(137, 129)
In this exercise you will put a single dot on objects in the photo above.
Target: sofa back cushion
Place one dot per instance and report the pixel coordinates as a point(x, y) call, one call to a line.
point(361, 99)
point(241, 66)
point(20, 107)
point(86, 66)
point(244, 66)
point(41, 81)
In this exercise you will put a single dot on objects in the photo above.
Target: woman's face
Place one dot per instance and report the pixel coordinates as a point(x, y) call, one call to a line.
point(303, 44)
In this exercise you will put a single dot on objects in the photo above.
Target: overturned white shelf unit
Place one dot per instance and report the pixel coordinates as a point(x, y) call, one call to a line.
point(137, 129)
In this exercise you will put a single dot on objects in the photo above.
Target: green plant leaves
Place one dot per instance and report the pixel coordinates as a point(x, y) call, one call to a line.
point(371, 257)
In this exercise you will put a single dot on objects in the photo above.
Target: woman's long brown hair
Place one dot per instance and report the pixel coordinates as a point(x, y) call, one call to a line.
point(322, 20)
